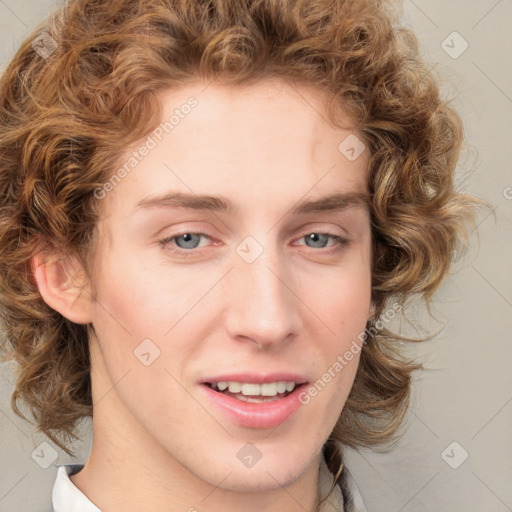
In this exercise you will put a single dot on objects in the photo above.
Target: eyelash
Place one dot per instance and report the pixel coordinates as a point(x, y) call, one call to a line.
point(176, 251)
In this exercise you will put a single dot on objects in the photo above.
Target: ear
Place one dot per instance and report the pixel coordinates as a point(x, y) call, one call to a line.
point(63, 285)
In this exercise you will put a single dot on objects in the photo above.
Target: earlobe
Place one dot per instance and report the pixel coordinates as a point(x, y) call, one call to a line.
point(62, 286)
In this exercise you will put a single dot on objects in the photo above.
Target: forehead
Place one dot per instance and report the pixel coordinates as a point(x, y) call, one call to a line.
point(269, 141)
point(284, 111)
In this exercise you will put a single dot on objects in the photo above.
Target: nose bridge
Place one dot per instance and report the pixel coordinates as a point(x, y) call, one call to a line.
point(262, 305)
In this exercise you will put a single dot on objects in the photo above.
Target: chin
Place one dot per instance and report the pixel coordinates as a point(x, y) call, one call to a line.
point(263, 479)
point(273, 471)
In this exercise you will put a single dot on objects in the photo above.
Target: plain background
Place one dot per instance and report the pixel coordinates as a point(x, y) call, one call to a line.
point(456, 454)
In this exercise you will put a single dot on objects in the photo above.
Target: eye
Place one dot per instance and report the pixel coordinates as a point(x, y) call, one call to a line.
point(320, 239)
point(187, 242)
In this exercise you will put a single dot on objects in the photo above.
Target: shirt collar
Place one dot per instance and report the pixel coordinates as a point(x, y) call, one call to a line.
point(345, 496)
point(66, 496)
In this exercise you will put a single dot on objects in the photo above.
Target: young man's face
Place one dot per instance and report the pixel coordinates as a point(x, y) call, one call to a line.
point(261, 292)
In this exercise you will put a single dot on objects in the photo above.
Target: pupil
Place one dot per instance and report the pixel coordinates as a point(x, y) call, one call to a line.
point(187, 238)
point(314, 237)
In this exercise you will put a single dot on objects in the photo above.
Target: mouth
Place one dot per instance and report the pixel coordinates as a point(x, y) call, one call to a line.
point(253, 392)
point(254, 405)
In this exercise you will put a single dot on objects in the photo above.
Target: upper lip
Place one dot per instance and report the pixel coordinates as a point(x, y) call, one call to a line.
point(253, 378)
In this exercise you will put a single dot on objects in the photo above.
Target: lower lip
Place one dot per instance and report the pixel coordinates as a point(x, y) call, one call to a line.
point(256, 415)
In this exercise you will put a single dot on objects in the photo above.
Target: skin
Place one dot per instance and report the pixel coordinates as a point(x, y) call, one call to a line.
point(159, 444)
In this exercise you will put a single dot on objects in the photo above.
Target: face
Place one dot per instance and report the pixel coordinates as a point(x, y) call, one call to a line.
point(262, 291)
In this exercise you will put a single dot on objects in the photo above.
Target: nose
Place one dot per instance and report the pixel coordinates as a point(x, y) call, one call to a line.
point(263, 305)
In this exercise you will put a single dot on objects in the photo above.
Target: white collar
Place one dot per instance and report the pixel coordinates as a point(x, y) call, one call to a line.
point(66, 496)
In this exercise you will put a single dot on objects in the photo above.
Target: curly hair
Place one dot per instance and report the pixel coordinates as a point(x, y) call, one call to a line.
point(67, 114)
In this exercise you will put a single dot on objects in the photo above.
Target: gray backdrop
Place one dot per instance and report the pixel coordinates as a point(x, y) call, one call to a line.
point(457, 451)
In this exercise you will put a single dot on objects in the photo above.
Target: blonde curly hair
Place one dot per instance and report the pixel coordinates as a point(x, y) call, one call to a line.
point(68, 114)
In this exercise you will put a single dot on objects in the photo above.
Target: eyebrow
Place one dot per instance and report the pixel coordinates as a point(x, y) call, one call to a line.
point(334, 202)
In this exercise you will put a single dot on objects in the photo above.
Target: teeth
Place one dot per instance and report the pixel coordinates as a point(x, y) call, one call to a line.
point(234, 387)
point(282, 387)
point(270, 389)
point(249, 389)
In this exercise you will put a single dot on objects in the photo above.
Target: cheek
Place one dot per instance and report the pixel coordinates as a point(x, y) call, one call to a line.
point(345, 300)
point(134, 321)
point(146, 301)
point(143, 309)
point(344, 308)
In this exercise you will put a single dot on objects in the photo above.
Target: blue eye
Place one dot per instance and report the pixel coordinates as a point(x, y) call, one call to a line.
point(313, 237)
point(188, 239)
point(185, 244)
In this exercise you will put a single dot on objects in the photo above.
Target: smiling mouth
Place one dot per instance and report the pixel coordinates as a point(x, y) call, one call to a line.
point(254, 393)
